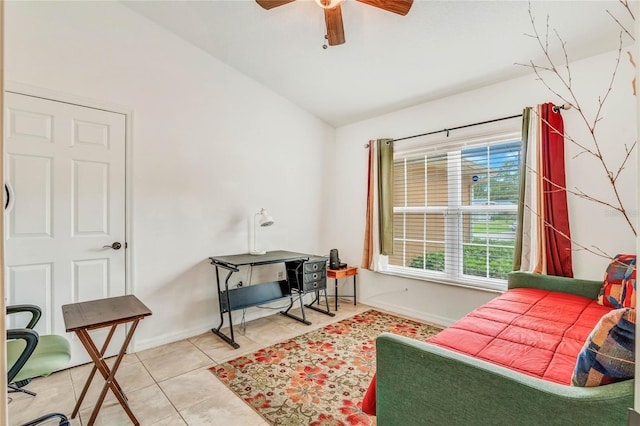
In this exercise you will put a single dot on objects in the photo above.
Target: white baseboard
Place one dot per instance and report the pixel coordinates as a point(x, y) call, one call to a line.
point(164, 339)
point(419, 315)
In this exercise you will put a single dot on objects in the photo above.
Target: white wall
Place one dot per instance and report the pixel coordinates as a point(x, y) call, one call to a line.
point(591, 224)
point(210, 147)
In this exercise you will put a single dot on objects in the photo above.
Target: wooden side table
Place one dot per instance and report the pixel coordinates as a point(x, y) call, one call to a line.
point(110, 312)
point(349, 271)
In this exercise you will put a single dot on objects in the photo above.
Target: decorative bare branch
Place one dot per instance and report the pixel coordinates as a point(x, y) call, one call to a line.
point(622, 26)
point(627, 7)
point(592, 147)
point(580, 247)
point(612, 177)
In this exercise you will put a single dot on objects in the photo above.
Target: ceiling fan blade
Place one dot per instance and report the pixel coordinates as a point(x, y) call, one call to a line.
point(335, 29)
point(270, 4)
point(401, 7)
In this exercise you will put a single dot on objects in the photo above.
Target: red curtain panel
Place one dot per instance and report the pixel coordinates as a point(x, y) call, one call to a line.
point(556, 212)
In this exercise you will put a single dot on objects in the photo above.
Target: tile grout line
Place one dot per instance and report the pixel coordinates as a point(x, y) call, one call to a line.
point(156, 383)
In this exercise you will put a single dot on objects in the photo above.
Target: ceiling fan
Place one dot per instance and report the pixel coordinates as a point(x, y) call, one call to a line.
point(333, 13)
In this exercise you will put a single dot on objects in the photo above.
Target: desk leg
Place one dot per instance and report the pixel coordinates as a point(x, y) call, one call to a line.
point(355, 294)
point(230, 340)
point(300, 293)
point(295, 317)
point(108, 374)
point(325, 311)
point(354, 290)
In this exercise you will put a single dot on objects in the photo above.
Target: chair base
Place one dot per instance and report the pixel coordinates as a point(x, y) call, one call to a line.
point(17, 387)
point(64, 421)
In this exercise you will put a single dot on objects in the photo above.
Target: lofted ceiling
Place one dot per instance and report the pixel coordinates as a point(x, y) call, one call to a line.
point(388, 61)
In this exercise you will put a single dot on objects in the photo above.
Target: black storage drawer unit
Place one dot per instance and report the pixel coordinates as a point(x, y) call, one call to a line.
point(315, 265)
point(308, 275)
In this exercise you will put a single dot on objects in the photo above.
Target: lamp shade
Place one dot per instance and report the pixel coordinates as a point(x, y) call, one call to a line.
point(265, 219)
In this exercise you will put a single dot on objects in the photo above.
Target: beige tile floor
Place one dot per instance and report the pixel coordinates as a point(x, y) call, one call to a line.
point(170, 384)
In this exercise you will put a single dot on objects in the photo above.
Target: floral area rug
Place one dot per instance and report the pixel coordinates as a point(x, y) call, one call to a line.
point(318, 378)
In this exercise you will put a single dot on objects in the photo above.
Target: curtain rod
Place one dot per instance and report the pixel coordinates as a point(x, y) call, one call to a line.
point(556, 108)
point(456, 128)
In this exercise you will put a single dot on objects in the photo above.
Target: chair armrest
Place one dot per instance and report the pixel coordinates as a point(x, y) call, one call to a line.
point(586, 288)
point(31, 339)
point(419, 383)
point(35, 311)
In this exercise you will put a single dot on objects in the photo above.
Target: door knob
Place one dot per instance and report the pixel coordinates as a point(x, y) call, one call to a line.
point(115, 246)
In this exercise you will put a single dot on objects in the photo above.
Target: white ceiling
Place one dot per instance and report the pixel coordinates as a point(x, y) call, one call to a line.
point(388, 61)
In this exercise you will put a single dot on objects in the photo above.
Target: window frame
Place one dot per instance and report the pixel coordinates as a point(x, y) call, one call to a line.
point(506, 133)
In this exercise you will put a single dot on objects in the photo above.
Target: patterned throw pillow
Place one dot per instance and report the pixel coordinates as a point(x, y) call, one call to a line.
point(619, 287)
point(608, 354)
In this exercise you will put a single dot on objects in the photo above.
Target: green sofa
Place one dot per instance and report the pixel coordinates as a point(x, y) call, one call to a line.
point(423, 384)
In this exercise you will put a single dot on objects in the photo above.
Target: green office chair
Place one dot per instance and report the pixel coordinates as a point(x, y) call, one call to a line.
point(30, 355)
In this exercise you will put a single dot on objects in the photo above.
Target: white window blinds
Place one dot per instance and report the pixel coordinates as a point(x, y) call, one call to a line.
point(455, 207)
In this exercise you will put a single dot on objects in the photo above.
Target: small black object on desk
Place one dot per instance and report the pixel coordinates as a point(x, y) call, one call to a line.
point(334, 260)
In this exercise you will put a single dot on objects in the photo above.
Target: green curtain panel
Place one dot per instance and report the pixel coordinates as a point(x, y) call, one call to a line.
point(517, 255)
point(385, 194)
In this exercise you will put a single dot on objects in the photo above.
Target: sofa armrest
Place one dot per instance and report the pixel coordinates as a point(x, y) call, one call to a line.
point(419, 383)
point(579, 287)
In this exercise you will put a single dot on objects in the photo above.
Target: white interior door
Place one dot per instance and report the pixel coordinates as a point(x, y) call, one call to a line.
point(65, 165)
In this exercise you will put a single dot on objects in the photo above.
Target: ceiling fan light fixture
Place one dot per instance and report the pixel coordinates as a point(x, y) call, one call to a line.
point(329, 4)
point(333, 14)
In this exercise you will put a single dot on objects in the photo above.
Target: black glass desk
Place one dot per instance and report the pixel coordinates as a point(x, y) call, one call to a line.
point(256, 294)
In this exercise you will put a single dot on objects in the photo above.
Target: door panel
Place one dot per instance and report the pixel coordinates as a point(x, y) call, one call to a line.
point(34, 288)
point(66, 165)
point(29, 126)
point(91, 279)
point(94, 135)
point(90, 198)
point(31, 216)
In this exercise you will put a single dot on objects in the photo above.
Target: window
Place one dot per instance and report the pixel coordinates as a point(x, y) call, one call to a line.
point(455, 210)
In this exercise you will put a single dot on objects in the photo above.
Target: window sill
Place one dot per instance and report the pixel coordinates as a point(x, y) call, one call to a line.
point(490, 286)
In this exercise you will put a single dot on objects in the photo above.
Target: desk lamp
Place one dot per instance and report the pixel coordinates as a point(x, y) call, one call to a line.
point(263, 219)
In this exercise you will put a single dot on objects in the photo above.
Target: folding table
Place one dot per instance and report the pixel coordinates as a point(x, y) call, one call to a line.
point(110, 312)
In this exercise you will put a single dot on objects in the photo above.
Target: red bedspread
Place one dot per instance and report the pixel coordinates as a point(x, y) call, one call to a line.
point(535, 332)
